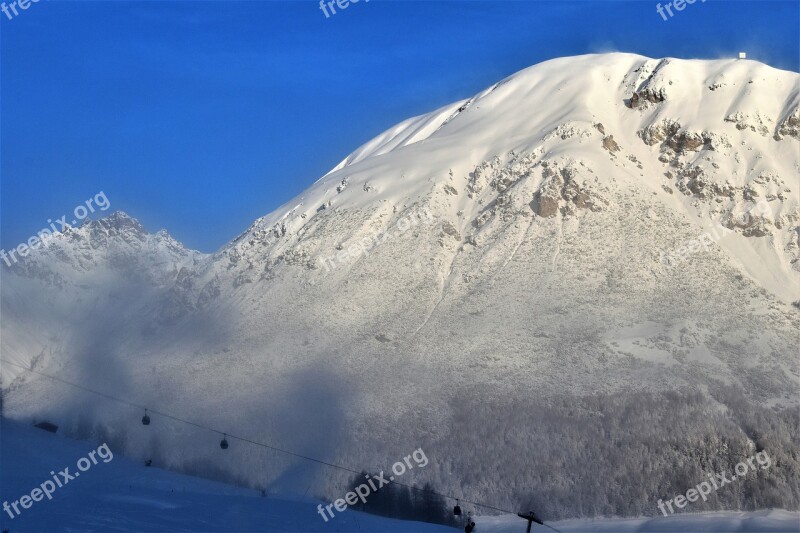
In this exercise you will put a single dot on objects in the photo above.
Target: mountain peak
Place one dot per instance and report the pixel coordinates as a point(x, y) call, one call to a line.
point(118, 223)
point(115, 242)
point(549, 139)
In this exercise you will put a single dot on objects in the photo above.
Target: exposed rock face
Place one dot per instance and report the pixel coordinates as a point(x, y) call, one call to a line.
point(546, 204)
point(659, 132)
point(582, 200)
point(790, 126)
point(610, 144)
point(564, 190)
point(647, 95)
point(750, 225)
point(755, 122)
point(650, 85)
point(669, 133)
point(449, 229)
point(686, 141)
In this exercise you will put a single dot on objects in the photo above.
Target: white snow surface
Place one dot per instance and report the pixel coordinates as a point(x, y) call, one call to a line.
point(123, 495)
point(549, 110)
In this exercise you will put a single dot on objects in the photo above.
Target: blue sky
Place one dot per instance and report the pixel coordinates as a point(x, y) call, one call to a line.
point(199, 117)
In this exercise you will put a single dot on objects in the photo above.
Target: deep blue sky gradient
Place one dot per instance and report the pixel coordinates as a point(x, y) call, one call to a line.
point(199, 117)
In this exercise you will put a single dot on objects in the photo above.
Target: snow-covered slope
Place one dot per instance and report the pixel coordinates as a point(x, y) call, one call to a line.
point(122, 495)
point(719, 134)
point(109, 266)
point(578, 260)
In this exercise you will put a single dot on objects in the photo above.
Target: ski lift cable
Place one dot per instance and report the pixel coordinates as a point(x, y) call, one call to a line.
point(250, 441)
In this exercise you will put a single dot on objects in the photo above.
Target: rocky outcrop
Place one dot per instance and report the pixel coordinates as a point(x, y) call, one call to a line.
point(659, 132)
point(654, 96)
point(610, 144)
point(563, 191)
point(686, 141)
point(755, 122)
point(790, 126)
point(546, 202)
point(669, 133)
point(448, 229)
point(748, 223)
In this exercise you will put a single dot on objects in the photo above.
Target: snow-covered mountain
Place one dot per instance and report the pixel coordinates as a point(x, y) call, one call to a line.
point(573, 289)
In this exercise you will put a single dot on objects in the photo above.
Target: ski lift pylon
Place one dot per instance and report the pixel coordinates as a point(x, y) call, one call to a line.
point(531, 518)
